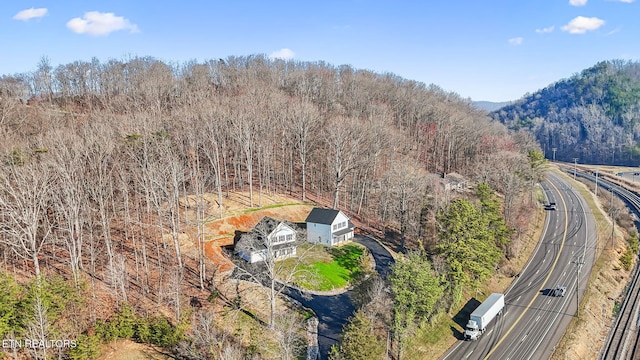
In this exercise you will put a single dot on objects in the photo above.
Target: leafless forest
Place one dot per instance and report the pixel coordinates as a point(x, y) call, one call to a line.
point(98, 159)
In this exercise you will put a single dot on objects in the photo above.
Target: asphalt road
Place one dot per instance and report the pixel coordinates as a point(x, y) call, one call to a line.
point(333, 311)
point(533, 322)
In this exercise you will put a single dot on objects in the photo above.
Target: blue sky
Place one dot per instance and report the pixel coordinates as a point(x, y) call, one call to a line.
point(494, 50)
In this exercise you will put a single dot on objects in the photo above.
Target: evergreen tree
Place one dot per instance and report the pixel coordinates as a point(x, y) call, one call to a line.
point(359, 341)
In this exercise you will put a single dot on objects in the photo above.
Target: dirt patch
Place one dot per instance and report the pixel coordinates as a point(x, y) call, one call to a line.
point(129, 350)
point(230, 214)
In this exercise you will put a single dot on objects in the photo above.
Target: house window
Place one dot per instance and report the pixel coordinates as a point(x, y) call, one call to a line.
point(289, 237)
point(339, 225)
point(279, 239)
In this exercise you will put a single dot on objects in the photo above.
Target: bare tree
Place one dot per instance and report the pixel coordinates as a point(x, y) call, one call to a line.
point(173, 290)
point(344, 140)
point(304, 121)
point(407, 189)
point(289, 328)
point(38, 328)
point(244, 133)
point(13, 90)
point(25, 200)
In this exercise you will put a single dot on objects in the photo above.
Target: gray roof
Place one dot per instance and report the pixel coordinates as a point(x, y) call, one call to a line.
point(254, 238)
point(343, 231)
point(266, 225)
point(322, 216)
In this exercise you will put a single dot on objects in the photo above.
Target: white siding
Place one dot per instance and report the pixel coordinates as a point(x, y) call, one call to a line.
point(340, 218)
point(341, 222)
point(323, 234)
point(281, 232)
point(252, 256)
point(319, 233)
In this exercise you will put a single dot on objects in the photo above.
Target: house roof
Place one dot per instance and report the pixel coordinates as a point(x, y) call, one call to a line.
point(265, 226)
point(343, 231)
point(455, 177)
point(262, 229)
point(322, 216)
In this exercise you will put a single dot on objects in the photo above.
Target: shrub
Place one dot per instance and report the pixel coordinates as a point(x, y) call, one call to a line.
point(627, 259)
point(106, 331)
point(87, 347)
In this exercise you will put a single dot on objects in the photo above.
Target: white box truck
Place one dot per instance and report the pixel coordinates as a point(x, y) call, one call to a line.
point(483, 315)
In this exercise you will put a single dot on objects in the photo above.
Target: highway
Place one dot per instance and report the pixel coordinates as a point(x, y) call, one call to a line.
point(623, 341)
point(533, 321)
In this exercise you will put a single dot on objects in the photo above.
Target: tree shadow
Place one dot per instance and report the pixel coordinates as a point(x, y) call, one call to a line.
point(462, 317)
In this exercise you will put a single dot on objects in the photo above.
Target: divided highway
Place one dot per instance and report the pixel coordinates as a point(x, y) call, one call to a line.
point(623, 341)
point(533, 321)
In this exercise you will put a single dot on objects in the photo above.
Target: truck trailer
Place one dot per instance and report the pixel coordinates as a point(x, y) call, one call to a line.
point(483, 315)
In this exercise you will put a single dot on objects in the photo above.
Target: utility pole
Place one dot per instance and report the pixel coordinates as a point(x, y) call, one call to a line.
point(575, 167)
point(554, 153)
point(578, 264)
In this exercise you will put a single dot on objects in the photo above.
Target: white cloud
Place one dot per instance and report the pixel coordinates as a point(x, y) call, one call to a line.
point(29, 14)
point(284, 54)
point(545, 30)
point(581, 25)
point(577, 2)
point(627, 1)
point(97, 23)
point(516, 41)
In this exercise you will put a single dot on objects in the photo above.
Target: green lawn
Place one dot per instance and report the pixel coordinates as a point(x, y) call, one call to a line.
point(323, 268)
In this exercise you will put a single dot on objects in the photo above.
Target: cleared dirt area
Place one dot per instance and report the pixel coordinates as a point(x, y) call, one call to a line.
point(233, 214)
point(129, 350)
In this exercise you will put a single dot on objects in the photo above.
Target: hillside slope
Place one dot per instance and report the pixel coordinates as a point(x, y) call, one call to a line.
point(592, 116)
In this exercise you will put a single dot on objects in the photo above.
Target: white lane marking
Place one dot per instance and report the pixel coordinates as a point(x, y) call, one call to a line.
point(505, 314)
point(549, 301)
point(469, 354)
point(518, 299)
point(537, 271)
point(490, 331)
point(530, 283)
point(564, 273)
point(524, 337)
point(538, 318)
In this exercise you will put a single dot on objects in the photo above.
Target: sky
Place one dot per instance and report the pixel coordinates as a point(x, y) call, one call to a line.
point(491, 50)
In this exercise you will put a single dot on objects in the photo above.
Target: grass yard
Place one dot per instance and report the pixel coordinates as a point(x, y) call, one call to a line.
point(323, 268)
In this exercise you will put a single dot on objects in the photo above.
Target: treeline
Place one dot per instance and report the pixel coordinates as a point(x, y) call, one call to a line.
point(104, 165)
point(593, 116)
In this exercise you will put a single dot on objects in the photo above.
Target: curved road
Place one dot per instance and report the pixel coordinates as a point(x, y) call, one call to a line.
point(533, 322)
point(333, 311)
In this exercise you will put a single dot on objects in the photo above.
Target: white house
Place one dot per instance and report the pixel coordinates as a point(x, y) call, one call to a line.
point(328, 226)
point(269, 239)
point(454, 181)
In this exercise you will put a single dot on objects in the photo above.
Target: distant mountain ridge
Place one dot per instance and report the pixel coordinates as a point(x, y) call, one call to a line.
point(593, 116)
point(490, 105)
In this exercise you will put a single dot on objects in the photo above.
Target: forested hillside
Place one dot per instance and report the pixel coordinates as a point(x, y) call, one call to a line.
point(592, 116)
point(102, 160)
